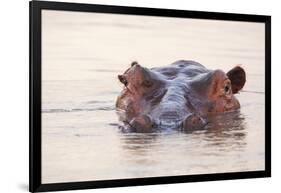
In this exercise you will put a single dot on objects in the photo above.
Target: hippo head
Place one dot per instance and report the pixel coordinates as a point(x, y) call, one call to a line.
point(181, 95)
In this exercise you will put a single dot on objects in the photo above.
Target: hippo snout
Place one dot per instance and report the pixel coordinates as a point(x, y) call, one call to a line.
point(144, 123)
point(164, 124)
point(189, 122)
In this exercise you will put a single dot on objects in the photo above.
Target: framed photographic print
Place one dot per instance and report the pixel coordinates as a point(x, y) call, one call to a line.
point(125, 96)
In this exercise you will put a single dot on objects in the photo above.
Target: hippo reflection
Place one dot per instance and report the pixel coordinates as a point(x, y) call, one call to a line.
point(177, 96)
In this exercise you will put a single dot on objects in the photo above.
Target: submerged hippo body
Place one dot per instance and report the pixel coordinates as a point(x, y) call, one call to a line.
point(177, 96)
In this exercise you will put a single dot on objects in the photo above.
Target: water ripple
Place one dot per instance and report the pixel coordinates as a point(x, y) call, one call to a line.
point(109, 108)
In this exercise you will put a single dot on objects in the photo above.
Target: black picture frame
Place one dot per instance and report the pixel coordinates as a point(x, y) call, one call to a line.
point(35, 8)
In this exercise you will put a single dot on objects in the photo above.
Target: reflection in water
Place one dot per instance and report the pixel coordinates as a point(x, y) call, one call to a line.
point(139, 143)
point(224, 139)
point(226, 131)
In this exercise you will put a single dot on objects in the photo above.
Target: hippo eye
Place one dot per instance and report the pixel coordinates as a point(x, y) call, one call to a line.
point(227, 89)
point(147, 83)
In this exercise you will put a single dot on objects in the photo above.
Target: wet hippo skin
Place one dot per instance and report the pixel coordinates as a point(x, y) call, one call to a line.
point(178, 96)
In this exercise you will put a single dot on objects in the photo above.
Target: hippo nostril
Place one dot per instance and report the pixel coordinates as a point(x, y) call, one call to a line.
point(141, 123)
point(193, 121)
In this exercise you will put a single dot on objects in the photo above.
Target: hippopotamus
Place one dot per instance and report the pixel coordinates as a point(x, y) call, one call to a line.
point(178, 96)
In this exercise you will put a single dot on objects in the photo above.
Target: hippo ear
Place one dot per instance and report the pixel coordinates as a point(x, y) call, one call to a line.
point(122, 79)
point(134, 63)
point(237, 77)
